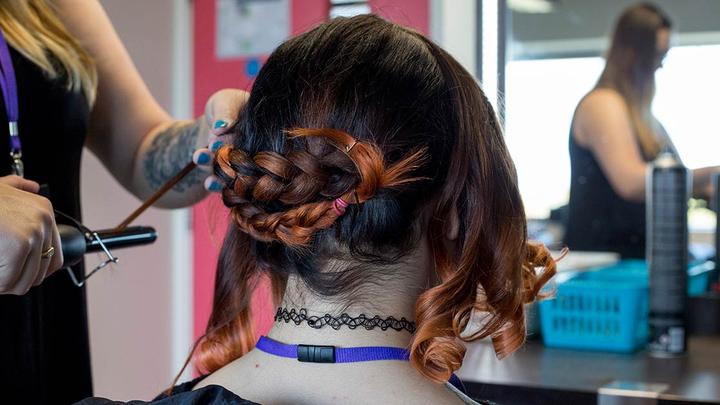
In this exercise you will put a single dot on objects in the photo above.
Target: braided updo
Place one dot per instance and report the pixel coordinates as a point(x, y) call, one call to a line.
point(288, 198)
point(360, 137)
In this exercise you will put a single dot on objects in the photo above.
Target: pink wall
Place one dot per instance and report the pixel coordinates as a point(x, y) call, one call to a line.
point(411, 13)
point(210, 75)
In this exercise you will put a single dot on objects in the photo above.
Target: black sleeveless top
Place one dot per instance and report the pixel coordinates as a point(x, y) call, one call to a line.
point(598, 218)
point(44, 349)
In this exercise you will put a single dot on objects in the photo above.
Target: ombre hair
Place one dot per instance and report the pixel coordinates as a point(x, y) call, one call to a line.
point(630, 68)
point(378, 115)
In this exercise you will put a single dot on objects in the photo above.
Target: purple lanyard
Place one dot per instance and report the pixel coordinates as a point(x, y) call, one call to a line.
point(9, 92)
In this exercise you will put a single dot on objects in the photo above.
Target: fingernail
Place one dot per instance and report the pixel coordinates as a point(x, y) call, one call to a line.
point(216, 145)
point(203, 159)
point(219, 124)
point(215, 186)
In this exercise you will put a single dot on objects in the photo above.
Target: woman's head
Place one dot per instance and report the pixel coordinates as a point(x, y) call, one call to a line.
point(364, 113)
point(640, 41)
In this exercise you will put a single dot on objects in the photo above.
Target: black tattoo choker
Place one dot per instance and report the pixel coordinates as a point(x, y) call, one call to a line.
point(335, 322)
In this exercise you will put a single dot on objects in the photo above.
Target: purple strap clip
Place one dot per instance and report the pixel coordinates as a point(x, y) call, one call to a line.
point(8, 85)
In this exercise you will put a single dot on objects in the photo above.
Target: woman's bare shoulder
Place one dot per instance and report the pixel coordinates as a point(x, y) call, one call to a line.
point(270, 380)
point(601, 99)
point(595, 109)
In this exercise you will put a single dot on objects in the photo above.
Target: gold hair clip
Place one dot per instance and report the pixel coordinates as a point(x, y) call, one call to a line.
point(349, 147)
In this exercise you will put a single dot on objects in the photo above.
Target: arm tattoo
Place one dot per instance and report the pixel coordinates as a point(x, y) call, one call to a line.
point(169, 152)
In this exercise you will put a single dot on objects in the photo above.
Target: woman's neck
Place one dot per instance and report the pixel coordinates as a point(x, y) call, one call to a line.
point(392, 301)
point(289, 332)
point(269, 378)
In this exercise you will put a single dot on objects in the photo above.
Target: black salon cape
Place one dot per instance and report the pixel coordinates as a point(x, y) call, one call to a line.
point(210, 395)
point(183, 395)
point(44, 345)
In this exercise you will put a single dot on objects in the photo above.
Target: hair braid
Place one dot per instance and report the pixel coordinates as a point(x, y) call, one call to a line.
point(299, 181)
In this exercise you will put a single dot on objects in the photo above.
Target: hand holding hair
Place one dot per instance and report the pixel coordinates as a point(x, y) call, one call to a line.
point(220, 116)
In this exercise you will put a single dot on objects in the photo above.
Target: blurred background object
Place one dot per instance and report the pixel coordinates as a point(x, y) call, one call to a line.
point(555, 57)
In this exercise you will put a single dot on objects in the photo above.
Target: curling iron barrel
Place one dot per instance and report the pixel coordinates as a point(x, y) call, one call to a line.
point(76, 243)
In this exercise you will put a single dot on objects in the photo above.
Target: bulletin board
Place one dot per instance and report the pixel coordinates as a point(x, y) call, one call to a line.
point(233, 63)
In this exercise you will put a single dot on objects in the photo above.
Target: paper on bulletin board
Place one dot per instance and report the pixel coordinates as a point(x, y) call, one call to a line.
point(247, 28)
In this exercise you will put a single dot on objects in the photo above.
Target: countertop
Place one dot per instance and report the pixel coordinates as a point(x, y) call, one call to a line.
point(571, 376)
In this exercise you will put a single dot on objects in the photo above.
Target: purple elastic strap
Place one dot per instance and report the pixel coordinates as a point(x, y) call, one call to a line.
point(341, 354)
point(323, 354)
point(275, 348)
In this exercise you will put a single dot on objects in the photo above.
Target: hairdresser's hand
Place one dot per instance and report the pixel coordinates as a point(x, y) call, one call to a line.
point(220, 115)
point(27, 229)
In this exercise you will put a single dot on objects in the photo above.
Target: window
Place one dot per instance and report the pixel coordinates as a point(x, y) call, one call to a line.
point(541, 96)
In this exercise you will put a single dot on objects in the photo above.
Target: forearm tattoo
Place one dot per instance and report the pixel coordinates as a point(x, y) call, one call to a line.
point(170, 151)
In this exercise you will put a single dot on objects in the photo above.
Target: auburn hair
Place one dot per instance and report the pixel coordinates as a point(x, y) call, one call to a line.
point(630, 69)
point(374, 114)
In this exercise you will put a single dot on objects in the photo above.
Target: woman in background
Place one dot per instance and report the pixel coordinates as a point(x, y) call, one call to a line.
point(76, 86)
point(370, 182)
point(614, 136)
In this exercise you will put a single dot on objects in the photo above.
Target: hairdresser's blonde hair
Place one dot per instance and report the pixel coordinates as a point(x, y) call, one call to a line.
point(33, 29)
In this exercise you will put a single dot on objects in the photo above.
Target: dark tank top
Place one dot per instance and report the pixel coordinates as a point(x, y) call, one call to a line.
point(44, 349)
point(598, 218)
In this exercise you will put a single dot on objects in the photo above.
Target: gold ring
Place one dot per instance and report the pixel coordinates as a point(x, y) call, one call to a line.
point(48, 253)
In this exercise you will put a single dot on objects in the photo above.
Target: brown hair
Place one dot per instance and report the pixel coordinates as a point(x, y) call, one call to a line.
point(630, 68)
point(424, 137)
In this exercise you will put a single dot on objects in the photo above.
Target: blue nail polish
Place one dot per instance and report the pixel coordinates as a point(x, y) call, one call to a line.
point(216, 145)
point(215, 186)
point(203, 159)
point(220, 124)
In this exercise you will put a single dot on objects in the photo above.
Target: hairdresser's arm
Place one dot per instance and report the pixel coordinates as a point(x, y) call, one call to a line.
point(602, 125)
point(702, 182)
point(132, 135)
point(702, 178)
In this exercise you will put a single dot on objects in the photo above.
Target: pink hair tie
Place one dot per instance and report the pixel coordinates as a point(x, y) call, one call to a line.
point(339, 206)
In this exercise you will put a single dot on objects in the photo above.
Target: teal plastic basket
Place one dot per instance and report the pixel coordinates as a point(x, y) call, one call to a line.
point(605, 309)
